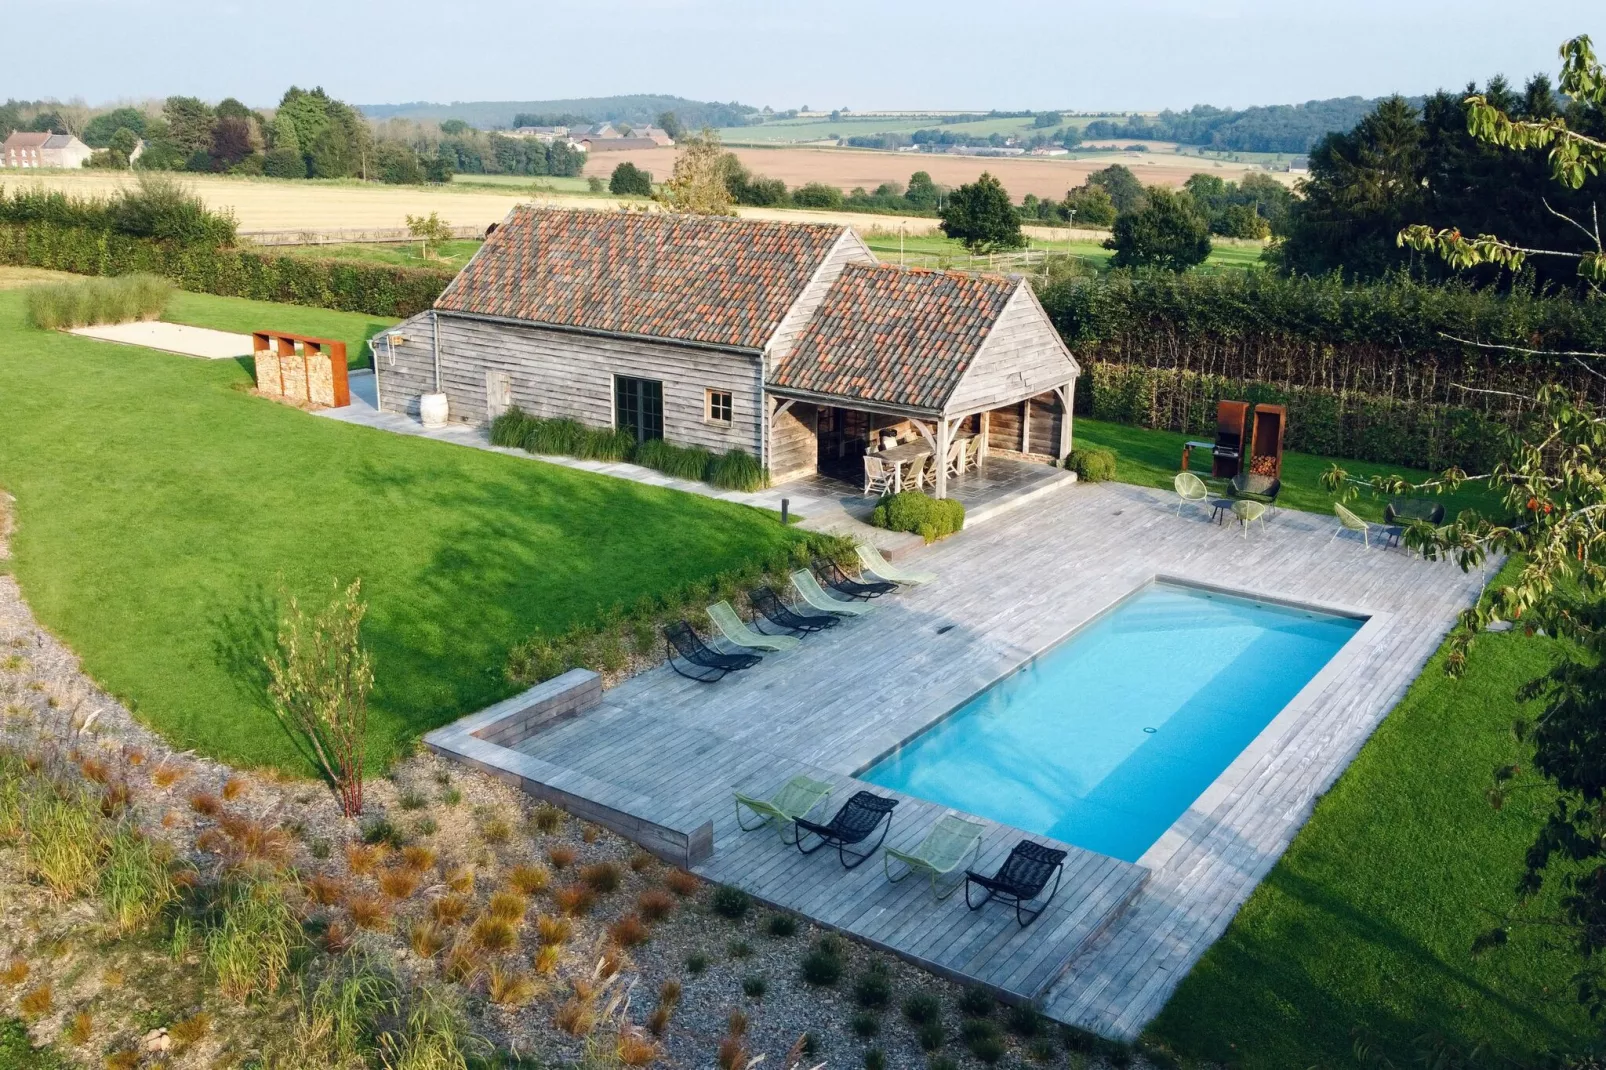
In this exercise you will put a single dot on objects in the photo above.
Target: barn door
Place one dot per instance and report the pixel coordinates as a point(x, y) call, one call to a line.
point(498, 394)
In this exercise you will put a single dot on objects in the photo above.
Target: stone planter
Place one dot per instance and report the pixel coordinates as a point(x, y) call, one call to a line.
point(432, 410)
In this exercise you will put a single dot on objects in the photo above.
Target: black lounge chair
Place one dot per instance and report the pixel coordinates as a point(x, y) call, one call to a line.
point(832, 576)
point(767, 604)
point(851, 825)
point(707, 664)
point(1019, 880)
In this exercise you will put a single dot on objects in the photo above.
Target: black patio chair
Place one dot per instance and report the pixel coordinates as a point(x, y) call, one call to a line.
point(707, 664)
point(832, 576)
point(851, 825)
point(1019, 880)
point(767, 604)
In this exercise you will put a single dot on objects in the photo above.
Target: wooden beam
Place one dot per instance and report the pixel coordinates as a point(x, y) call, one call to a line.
point(1065, 393)
point(986, 432)
point(925, 433)
point(941, 452)
point(780, 409)
point(1026, 426)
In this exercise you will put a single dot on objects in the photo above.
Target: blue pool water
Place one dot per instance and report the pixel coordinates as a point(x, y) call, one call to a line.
point(1105, 739)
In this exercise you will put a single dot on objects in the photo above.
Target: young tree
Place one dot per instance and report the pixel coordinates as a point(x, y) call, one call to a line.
point(1090, 205)
point(981, 215)
point(628, 180)
point(429, 230)
point(99, 130)
point(1554, 488)
point(1167, 232)
point(698, 185)
point(189, 124)
point(1125, 191)
point(319, 676)
point(922, 192)
point(670, 124)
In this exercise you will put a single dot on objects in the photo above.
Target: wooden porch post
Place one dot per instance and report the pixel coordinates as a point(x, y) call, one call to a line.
point(986, 428)
point(1066, 393)
point(1026, 426)
point(943, 435)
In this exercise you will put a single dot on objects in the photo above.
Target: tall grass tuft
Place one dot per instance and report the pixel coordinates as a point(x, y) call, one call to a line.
point(63, 839)
point(135, 881)
point(117, 299)
point(435, 1036)
point(682, 462)
point(250, 937)
point(738, 470)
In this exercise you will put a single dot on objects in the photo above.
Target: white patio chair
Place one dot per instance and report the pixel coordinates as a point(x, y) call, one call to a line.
point(973, 452)
point(879, 476)
point(956, 458)
point(919, 472)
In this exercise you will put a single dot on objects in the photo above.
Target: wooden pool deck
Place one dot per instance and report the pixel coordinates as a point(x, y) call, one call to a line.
point(1120, 936)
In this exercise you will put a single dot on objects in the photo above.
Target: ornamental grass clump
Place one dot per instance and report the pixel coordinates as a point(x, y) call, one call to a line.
point(81, 303)
point(737, 470)
point(135, 880)
point(251, 935)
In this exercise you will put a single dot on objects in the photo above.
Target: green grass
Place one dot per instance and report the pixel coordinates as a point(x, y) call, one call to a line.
point(18, 1053)
point(1153, 458)
point(1367, 921)
point(244, 316)
point(158, 504)
point(1222, 256)
point(448, 256)
point(502, 183)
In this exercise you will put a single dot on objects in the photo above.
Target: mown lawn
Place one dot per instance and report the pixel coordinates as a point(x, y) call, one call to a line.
point(1153, 458)
point(1364, 927)
point(244, 316)
point(448, 256)
point(160, 506)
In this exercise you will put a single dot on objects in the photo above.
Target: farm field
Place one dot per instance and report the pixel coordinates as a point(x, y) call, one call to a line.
point(159, 506)
point(790, 131)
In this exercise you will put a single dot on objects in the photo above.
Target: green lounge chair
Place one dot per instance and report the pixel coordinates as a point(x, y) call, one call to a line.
point(815, 595)
point(1191, 490)
point(1348, 521)
point(942, 852)
point(879, 566)
point(1247, 510)
point(737, 631)
point(794, 799)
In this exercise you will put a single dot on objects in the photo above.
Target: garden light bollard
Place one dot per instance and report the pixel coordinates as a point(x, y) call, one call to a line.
point(786, 507)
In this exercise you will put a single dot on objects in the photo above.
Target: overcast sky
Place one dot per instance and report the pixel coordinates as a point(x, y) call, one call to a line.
point(862, 54)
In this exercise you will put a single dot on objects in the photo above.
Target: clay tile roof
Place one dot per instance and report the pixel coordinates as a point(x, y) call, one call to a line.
point(712, 280)
point(23, 139)
point(895, 335)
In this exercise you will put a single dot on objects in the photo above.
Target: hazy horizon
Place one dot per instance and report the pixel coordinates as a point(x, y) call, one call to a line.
point(1025, 54)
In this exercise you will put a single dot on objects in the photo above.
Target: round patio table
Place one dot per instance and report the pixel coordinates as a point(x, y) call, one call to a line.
point(1219, 508)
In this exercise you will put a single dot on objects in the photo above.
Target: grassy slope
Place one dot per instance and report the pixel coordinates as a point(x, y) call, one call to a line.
point(449, 256)
point(1152, 459)
point(1367, 920)
point(158, 502)
point(244, 316)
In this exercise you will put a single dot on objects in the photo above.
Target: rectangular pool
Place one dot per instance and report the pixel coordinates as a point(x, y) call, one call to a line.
point(1106, 738)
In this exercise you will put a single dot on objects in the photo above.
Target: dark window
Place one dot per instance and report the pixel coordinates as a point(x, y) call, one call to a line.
point(719, 407)
point(638, 407)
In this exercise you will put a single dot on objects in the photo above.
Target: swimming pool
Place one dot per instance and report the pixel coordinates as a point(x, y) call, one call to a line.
point(1105, 739)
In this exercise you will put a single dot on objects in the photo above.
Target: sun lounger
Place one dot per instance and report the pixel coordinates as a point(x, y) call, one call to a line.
point(881, 568)
point(736, 630)
point(705, 665)
point(811, 591)
point(1020, 879)
point(850, 826)
point(767, 604)
point(832, 575)
point(794, 800)
point(942, 852)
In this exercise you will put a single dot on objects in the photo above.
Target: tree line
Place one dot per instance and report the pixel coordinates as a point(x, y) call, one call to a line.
point(1289, 128)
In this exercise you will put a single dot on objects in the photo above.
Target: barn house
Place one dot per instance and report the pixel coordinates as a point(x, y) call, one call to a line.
point(786, 340)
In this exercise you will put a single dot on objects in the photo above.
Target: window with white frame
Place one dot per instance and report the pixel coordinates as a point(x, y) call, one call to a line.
point(717, 407)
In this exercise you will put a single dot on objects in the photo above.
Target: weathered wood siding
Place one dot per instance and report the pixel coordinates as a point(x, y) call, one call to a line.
point(1021, 356)
point(405, 370)
point(557, 373)
point(794, 445)
point(1048, 415)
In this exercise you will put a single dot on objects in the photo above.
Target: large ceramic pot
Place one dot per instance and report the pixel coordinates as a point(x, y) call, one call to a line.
point(432, 410)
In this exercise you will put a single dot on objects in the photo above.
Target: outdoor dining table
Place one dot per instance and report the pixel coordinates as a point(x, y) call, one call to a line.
point(906, 452)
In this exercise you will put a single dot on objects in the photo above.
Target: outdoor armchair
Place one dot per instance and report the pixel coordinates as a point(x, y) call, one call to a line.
point(1348, 521)
point(942, 852)
point(737, 631)
point(1191, 490)
point(879, 476)
point(794, 799)
point(832, 575)
point(815, 595)
point(704, 664)
point(1022, 877)
point(767, 604)
point(880, 567)
point(851, 826)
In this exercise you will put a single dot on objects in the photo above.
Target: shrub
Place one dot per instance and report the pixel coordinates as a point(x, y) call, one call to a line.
point(864, 1024)
point(398, 883)
point(737, 470)
point(986, 1049)
point(754, 986)
point(922, 1007)
point(911, 510)
point(732, 903)
point(872, 989)
point(821, 967)
point(930, 1036)
point(875, 1060)
point(1023, 1021)
point(696, 963)
point(972, 1029)
point(79, 304)
point(976, 1002)
point(417, 858)
point(1092, 466)
point(552, 930)
point(602, 878)
point(509, 988)
point(781, 925)
point(1043, 1049)
point(368, 912)
point(380, 831)
point(574, 899)
point(739, 949)
point(942, 1062)
point(546, 818)
point(493, 934)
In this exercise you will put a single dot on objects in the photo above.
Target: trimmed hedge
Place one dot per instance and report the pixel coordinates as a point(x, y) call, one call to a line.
point(1325, 422)
point(911, 510)
point(1092, 466)
point(375, 289)
point(732, 470)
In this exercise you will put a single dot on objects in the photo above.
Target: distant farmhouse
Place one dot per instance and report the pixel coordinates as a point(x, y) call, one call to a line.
point(22, 149)
point(603, 137)
point(789, 341)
